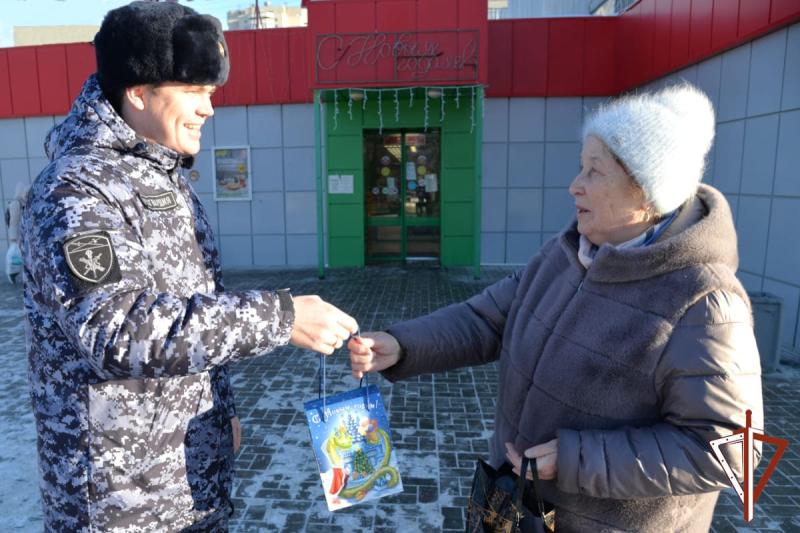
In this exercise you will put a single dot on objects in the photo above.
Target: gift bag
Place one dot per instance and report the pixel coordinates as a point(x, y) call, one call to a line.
point(350, 436)
point(496, 502)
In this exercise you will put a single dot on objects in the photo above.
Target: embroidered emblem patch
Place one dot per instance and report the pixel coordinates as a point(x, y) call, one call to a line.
point(160, 202)
point(91, 258)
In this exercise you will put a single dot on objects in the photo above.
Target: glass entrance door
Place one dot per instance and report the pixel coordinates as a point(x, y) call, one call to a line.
point(401, 172)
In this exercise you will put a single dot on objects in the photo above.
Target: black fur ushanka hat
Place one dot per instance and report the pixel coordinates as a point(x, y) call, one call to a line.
point(156, 42)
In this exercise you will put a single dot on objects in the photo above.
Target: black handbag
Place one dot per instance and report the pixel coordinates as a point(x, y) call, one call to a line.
point(496, 501)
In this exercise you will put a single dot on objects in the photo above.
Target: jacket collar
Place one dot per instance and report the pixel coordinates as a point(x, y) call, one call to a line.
point(703, 233)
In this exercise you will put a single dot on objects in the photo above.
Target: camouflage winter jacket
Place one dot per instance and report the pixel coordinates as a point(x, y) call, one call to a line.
point(129, 331)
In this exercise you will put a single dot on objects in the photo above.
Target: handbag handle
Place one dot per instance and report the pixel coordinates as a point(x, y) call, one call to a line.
point(529, 463)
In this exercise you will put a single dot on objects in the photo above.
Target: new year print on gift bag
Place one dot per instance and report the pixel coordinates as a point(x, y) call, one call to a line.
point(350, 436)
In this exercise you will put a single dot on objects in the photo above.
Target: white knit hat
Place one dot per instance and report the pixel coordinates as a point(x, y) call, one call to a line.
point(662, 138)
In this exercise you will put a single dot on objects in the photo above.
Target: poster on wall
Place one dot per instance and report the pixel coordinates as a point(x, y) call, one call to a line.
point(232, 173)
point(340, 184)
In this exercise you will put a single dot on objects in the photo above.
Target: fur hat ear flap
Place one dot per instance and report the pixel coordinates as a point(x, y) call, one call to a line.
point(157, 42)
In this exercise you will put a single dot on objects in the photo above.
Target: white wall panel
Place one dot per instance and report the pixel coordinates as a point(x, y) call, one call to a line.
point(734, 83)
point(493, 247)
point(298, 125)
point(13, 171)
point(791, 73)
point(526, 119)
point(564, 116)
point(301, 212)
point(752, 227)
point(708, 78)
point(36, 129)
point(301, 250)
point(268, 213)
point(299, 170)
point(264, 126)
point(236, 251)
point(525, 164)
point(559, 209)
point(234, 218)
point(758, 161)
point(493, 210)
point(783, 254)
point(494, 164)
point(495, 120)
point(521, 247)
point(561, 163)
point(728, 160)
point(766, 69)
point(787, 164)
point(230, 126)
point(524, 210)
point(269, 250)
point(12, 134)
point(267, 166)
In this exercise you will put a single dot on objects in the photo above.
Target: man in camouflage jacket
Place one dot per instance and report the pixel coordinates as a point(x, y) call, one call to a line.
point(129, 329)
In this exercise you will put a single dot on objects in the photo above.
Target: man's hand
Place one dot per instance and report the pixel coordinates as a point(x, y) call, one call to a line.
point(546, 458)
point(320, 326)
point(373, 350)
point(237, 434)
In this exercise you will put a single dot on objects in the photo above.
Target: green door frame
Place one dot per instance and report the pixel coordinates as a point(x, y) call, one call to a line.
point(318, 164)
point(478, 180)
point(460, 240)
point(403, 221)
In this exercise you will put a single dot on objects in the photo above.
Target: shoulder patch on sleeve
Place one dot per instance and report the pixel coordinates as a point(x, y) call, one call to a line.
point(91, 260)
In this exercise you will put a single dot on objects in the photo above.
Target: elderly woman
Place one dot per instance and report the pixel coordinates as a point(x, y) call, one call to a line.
point(626, 344)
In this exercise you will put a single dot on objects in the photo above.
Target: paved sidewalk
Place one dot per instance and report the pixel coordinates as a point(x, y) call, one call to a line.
point(440, 423)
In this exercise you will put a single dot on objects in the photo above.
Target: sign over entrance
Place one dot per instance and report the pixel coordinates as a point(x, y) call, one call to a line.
point(411, 57)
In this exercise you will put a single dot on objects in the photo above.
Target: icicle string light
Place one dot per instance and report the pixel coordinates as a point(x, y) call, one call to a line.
point(380, 113)
point(335, 109)
point(441, 117)
point(472, 112)
point(426, 110)
point(350, 103)
point(354, 93)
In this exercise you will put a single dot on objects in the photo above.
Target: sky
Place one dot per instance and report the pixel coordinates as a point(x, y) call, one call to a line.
point(58, 12)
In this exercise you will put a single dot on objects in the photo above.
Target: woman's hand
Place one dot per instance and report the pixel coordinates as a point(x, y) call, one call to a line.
point(236, 427)
point(546, 455)
point(373, 350)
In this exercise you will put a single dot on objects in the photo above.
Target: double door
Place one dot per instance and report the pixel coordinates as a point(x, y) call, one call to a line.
point(402, 195)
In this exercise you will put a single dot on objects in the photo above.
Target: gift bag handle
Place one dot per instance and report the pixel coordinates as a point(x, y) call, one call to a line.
point(321, 393)
point(529, 463)
point(322, 384)
point(364, 384)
